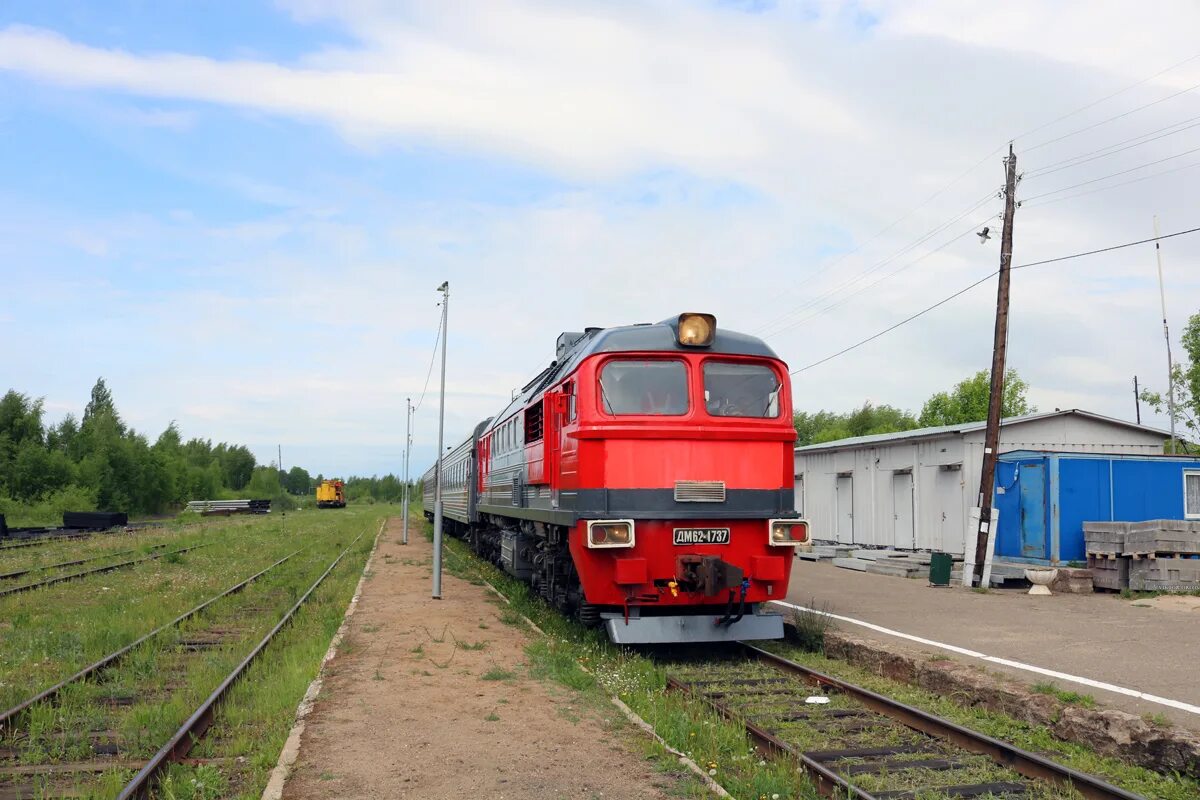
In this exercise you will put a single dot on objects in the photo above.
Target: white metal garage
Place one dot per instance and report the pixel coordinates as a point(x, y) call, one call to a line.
point(914, 489)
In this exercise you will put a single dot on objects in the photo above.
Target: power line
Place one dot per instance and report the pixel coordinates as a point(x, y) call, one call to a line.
point(905, 321)
point(1113, 149)
point(881, 279)
point(432, 358)
point(1107, 249)
point(1112, 186)
point(1111, 119)
point(888, 227)
point(1115, 174)
point(1106, 98)
point(966, 289)
point(814, 301)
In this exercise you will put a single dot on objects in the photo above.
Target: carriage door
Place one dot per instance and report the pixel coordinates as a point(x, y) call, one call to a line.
point(554, 410)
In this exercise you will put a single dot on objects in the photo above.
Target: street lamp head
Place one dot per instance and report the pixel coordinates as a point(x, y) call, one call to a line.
point(445, 286)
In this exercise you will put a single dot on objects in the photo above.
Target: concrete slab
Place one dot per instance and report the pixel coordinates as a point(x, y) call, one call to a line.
point(857, 564)
point(874, 555)
point(893, 570)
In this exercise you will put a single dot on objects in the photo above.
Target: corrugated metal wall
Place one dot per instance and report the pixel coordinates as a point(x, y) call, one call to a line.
point(856, 495)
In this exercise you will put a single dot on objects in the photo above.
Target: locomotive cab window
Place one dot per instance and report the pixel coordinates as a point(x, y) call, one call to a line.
point(644, 386)
point(741, 390)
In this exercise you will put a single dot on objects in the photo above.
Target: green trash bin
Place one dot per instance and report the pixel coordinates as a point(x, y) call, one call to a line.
point(939, 569)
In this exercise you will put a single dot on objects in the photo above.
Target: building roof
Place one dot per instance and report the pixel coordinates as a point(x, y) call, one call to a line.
point(969, 427)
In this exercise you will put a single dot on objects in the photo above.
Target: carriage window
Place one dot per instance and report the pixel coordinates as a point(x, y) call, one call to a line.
point(741, 390)
point(629, 386)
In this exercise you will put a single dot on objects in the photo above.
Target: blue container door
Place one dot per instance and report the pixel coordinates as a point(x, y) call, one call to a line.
point(1033, 510)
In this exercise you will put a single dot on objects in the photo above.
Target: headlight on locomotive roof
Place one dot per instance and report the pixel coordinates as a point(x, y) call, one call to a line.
point(696, 330)
point(610, 533)
point(787, 532)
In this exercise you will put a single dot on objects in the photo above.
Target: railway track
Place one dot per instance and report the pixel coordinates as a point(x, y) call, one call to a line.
point(855, 743)
point(27, 587)
point(79, 727)
point(22, 572)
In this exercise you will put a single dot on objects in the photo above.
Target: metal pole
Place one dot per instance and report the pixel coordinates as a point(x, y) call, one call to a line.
point(282, 511)
point(407, 447)
point(1137, 400)
point(991, 439)
point(1162, 294)
point(437, 471)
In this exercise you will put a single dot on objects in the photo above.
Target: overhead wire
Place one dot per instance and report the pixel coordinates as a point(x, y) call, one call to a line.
point(1113, 174)
point(982, 280)
point(1113, 149)
point(1113, 118)
point(819, 298)
point(838, 303)
point(1037, 204)
point(888, 227)
point(1105, 99)
point(432, 359)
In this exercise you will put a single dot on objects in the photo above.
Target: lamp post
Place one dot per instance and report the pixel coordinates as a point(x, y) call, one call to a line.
point(407, 456)
point(437, 469)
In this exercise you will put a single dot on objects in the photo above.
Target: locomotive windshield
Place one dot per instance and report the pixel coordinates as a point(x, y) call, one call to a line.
point(740, 390)
point(641, 386)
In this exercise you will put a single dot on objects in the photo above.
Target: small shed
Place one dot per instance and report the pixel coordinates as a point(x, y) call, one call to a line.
point(914, 490)
point(1045, 497)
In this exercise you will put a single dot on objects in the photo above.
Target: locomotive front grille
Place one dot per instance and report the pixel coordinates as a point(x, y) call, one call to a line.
point(699, 491)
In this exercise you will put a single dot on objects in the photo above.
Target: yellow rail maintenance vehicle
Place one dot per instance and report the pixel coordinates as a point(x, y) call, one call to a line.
point(331, 494)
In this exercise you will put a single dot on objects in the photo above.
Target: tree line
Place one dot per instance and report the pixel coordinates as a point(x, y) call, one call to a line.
point(966, 402)
point(96, 461)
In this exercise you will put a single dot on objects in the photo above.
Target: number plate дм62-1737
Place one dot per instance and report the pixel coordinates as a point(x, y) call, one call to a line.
point(701, 536)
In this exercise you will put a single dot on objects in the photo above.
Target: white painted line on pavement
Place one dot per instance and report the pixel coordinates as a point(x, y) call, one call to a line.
point(962, 651)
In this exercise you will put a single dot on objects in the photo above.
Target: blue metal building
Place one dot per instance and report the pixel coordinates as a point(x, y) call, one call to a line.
point(1045, 497)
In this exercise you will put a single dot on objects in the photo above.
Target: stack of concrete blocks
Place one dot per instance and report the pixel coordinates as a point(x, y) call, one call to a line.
point(1105, 545)
point(1164, 555)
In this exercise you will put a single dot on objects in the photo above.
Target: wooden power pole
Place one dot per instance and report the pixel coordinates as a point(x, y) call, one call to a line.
point(991, 441)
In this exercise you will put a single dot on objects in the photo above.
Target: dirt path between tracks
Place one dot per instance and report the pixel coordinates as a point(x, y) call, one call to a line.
point(433, 699)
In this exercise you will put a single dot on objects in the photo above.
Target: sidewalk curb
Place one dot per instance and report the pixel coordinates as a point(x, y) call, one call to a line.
point(291, 748)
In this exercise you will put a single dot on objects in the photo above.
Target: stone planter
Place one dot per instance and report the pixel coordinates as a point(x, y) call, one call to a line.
point(1041, 578)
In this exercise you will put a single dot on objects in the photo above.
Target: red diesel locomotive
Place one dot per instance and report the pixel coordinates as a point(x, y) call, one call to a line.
point(642, 481)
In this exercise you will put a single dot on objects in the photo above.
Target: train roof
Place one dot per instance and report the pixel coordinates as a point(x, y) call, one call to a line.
point(574, 347)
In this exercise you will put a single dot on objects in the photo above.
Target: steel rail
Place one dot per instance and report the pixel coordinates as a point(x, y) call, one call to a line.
point(1030, 765)
point(20, 542)
point(829, 783)
point(109, 568)
point(116, 655)
point(20, 572)
point(201, 720)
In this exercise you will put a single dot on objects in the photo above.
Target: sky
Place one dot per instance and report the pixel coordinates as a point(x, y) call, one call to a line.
point(239, 214)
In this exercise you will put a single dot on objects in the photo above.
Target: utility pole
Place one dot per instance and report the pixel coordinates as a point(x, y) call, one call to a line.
point(1162, 294)
point(437, 469)
point(1137, 400)
point(991, 441)
point(407, 451)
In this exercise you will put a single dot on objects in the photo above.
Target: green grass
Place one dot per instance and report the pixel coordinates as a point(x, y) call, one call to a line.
point(1068, 697)
point(498, 674)
point(165, 682)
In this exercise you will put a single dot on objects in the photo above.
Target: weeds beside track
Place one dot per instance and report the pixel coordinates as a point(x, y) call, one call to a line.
point(694, 727)
point(95, 734)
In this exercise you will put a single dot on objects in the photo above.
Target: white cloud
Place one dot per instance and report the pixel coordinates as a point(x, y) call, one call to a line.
point(826, 131)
